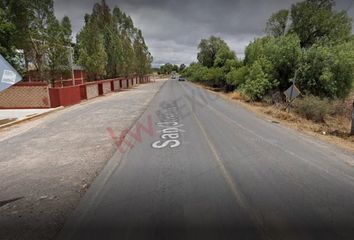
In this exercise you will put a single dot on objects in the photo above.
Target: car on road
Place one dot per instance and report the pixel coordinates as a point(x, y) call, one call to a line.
point(181, 79)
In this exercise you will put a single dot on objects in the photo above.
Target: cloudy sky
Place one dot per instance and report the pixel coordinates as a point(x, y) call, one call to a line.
point(173, 28)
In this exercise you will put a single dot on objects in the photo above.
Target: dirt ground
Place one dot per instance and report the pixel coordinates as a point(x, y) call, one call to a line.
point(334, 130)
point(47, 164)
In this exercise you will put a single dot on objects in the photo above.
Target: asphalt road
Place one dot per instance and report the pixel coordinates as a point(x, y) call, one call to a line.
point(209, 169)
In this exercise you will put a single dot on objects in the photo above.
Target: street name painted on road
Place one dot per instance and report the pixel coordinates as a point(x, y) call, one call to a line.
point(168, 115)
point(170, 135)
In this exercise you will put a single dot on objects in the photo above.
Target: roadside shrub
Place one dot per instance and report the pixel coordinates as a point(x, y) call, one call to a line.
point(259, 81)
point(214, 77)
point(312, 108)
point(195, 72)
point(327, 71)
point(237, 76)
point(341, 108)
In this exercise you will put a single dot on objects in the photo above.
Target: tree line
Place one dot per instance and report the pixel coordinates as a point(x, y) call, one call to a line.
point(109, 45)
point(310, 39)
point(168, 68)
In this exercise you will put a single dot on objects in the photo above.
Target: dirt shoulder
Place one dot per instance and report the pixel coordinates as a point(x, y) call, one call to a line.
point(332, 131)
point(46, 165)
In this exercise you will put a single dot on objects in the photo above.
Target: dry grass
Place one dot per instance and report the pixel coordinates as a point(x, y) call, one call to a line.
point(236, 96)
point(334, 129)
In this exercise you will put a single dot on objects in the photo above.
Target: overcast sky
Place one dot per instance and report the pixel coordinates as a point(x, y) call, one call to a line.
point(173, 28)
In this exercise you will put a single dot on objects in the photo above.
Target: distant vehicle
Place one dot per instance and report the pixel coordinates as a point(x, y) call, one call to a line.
point(181, 79)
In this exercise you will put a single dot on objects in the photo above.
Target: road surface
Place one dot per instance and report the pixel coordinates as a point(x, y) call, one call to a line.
point(46, 164)
point(209, 169)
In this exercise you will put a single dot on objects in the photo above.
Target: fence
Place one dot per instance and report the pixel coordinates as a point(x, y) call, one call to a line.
point(25, 95)
point(40, 95)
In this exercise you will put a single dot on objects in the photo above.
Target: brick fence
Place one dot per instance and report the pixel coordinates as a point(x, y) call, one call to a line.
point(25, 95)
point(40, 95)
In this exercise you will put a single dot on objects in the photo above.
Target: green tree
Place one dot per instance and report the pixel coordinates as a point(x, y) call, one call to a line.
point(214, 77)
point(327, 71)
point(258, 81)
point(168, 68)
point(283, 52)
point(277, 24)
point(208, 49)
point(238, 76)
point(317, 21)
point(256, 49)
point(222, 55)
point(143, 57)
point(66, 29)
point(18, 13)
point(59, 48)
point(92, 51)
point(7, 39)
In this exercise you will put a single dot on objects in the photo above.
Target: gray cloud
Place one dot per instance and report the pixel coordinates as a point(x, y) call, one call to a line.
point(173, 29)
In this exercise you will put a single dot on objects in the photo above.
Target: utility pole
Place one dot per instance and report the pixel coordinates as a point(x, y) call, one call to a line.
point(72, 64)
point(352, 131)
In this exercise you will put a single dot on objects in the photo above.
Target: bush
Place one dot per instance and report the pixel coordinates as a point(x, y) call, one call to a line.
point(283, 52)
point(313, 108)
point(195, 72)
point(327, 71)
point(214, 77)
point(258, 82)
point(237, 77)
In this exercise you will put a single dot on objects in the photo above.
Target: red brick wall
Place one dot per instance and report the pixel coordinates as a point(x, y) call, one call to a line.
point(26, 95)
point(65, 96)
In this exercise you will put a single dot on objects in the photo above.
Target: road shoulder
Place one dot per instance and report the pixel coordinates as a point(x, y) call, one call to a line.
point(344, 144)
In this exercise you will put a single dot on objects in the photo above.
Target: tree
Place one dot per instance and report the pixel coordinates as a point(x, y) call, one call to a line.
point(258, 81)
point(283, 52)
point(142, 55)
point(123, 50)
point(327, 71)
point(214, 77)
point(316, 21)
point(256, 49)
point(18, 13)
point(208, 49)
point(238, 76)
point(58, 49)
point(277, 24)
point(182, 67)
point(222, 55)
point(168, 68)
point(66, 29)
point(7, 39)
point(92, 52)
